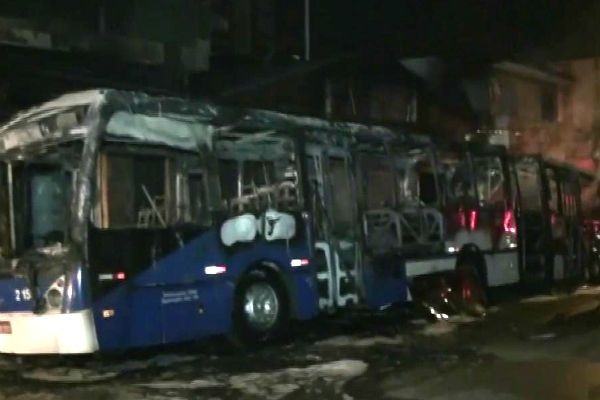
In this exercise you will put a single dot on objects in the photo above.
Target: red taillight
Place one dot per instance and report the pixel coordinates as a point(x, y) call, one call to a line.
point(462, 218)
point(509, 223)
point(120, 276)
point(468, 221)
point(473, 220)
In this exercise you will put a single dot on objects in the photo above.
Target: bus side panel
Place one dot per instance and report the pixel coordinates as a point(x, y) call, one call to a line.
point(159, 315)
point(174, 301)
point(190, 312)
point(192, 304)
point(385, 282)
point(306, 305)
point(145, 322)
point(185, 264)
point(112, 319)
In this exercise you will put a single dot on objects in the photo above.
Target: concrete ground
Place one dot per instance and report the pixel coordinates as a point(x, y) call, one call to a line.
point(544, 347)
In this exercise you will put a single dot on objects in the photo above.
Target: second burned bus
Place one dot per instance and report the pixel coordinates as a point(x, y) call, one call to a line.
point(523, 213)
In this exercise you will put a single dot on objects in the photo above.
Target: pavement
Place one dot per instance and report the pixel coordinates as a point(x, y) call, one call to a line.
point(542, 347)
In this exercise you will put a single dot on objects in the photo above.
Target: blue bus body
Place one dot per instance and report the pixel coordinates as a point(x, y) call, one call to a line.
point(105, 289)
point(175, 301)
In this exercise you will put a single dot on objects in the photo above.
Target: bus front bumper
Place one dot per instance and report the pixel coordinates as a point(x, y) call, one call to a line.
point(28, 333)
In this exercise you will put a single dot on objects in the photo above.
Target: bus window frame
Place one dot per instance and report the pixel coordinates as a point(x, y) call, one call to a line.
point(173, 168)
point(239, 153)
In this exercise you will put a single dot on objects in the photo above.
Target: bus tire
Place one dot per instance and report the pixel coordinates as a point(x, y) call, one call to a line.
point(469, 285)
point(592, 270)
point(260, 308)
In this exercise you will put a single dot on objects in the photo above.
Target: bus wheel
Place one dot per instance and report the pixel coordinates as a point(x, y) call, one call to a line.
point(592, 271)
point(260, 308)
point(469, 288)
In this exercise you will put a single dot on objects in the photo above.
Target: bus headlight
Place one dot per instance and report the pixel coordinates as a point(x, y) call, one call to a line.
point(54, 294)
point(54, 298)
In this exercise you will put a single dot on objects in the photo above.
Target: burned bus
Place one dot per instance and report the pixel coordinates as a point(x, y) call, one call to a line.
point(130, 220)
point(591, 225)
point(490, 221)
point(521, 213)
point(447, 211)
point(481, 206)
point(550, 221)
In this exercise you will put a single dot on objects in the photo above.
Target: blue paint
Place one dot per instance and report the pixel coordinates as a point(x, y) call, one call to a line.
point(385, 282)
point(174, 301)
point(77, 295)
point(10, 301)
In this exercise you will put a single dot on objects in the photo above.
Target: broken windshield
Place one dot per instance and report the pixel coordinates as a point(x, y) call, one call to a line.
point(489, 179)
point(416, 170)
point(42, 196)
point(459, 180)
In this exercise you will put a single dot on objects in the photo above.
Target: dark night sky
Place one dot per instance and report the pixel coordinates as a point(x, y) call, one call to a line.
point(413, 27)
point(449, 27)
point(463, 31)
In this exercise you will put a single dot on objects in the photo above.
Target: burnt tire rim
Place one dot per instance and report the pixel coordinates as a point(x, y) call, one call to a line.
point(261, 306)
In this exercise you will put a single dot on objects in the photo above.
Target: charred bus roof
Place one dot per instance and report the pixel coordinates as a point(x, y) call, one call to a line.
point(170, 121)
point(478, 147)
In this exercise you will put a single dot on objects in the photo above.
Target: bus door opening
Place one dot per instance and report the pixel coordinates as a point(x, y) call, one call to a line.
point(422, 222)
point(461, 206)
point(572, 221)
point(533, 222)
point(494, 204)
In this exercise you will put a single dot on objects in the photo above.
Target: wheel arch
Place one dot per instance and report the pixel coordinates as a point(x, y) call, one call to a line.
point(275, 271)
point(471, 251)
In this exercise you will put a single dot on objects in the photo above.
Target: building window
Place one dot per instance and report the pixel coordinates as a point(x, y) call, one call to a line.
point(504, 95)
point(393, 103)
point(549, 104)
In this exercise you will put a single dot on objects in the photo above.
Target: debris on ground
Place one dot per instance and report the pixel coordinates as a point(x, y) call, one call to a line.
point(462, 319)
point(350, 341)
point(438, 328)
point(542, 298)
point(543, 336)
point(68, 375)
point(182, 385)
point(278, 384)
point(272, 385)
point(587, 290)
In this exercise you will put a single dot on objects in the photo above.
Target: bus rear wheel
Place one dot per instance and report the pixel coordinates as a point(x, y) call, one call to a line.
point(469, 288)
point(592, 271)
point(260, 309)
